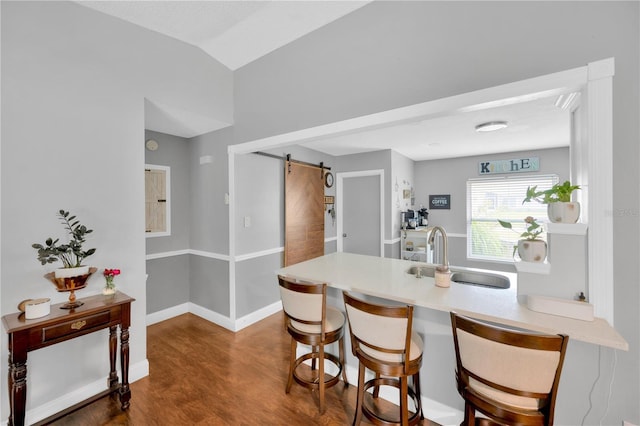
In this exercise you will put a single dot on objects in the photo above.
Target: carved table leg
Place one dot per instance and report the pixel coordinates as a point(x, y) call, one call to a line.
point(125, 392)
point(113, 345)
point(17, 392)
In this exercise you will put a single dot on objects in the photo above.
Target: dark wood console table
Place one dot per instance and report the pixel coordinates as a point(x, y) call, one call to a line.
point(97, 313)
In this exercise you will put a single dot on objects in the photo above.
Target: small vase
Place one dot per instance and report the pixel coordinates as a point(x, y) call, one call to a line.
point(71, 272)
point(109, 290)
point(563, 212)
point(532, 250)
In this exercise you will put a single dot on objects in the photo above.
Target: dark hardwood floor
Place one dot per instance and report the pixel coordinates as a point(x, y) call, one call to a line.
point(203, 374)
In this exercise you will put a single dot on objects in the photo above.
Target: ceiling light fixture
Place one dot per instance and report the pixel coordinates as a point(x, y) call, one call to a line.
point(491, 126)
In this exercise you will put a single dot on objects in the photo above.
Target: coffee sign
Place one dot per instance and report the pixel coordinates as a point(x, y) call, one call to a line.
point(442, 202)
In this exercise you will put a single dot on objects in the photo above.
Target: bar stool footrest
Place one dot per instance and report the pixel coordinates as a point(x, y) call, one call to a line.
point(312, 383)
point(414, 418)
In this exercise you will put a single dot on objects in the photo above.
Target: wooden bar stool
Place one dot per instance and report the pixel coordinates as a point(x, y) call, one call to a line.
point(383, 341)
point(310, 322)
point(509, 376)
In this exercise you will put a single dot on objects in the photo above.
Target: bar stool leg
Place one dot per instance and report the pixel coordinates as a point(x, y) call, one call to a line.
point(292, 363)
point(360, 397)
point(321, 377)
point(376, 388)
point(416, 388)
point(404, 404)
point(342, 361)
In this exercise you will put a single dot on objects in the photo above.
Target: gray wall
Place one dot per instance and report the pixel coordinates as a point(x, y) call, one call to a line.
point(450, 176)
point(173, 151)
point(73, 89)
point(260, 196)
point(393, 54)
point(209, 230)
point(199, 222)
point(168, 278)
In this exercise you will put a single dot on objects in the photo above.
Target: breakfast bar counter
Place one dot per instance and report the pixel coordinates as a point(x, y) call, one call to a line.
point(388, 278)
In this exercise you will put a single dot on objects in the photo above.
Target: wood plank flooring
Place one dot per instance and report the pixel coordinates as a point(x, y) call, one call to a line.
point(203, 374)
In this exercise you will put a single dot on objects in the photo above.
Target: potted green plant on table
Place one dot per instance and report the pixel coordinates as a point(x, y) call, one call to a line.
point(72, 253)
point(560, 208)
point(531, 247)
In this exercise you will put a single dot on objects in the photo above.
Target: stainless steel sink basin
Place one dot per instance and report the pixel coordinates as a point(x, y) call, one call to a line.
point(483, 279)
point(479, 278)
point(422, 271)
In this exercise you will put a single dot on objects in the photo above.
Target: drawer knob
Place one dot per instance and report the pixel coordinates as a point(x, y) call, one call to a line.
point(78, 325)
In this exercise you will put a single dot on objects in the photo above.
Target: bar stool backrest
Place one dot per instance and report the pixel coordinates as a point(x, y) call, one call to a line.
point(382, 332)
point(516, 368)
point(304, 304)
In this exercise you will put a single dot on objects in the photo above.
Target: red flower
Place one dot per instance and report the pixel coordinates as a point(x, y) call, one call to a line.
point(111, 272)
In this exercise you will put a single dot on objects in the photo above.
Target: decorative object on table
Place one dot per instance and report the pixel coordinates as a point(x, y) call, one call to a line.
point(531, 247)
point(35, 308)
point(560, 208)
point(73, 275)
point(109, 275)
point(71, 284)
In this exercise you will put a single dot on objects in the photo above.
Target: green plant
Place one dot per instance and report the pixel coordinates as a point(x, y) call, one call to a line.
point(532, 231)
point(71, 254)
point(558, 192)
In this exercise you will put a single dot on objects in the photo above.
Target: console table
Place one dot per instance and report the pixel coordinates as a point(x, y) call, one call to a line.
point(97, 313)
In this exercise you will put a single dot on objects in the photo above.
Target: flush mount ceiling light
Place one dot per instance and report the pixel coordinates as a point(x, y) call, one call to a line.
point(491, 126)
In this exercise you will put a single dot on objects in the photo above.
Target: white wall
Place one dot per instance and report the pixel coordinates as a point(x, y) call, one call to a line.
point(73, 89)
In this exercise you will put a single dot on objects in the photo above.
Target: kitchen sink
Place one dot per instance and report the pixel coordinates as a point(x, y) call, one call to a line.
point(483, 279)
point(422, 271)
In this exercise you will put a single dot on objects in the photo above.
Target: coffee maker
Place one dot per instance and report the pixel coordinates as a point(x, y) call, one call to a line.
point(423, 217)
point(412, 219)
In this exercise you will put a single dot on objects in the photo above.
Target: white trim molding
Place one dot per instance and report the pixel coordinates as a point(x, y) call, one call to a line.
point(600, 175)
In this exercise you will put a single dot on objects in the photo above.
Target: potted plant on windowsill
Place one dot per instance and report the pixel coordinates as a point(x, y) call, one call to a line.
point(560, 208)
point(530, 247)
point(70, 254)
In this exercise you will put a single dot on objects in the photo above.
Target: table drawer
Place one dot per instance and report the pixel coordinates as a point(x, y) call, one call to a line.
point(79, 325)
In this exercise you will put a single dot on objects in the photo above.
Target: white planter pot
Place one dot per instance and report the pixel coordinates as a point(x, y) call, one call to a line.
point(71, 272)
point(532, 250)
point(563, 212)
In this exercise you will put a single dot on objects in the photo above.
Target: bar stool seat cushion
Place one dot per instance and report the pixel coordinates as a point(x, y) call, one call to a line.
point(335, 320)
point(504, 397)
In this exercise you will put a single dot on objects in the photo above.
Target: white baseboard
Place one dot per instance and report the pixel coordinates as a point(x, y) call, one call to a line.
point(168, 313)
point(258, 315)
point(136, 372)
point(211, 316)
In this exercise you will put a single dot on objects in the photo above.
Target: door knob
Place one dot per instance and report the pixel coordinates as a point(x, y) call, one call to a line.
point(344, 235)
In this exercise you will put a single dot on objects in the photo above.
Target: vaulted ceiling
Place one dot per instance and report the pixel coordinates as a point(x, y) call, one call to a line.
point(236, 33)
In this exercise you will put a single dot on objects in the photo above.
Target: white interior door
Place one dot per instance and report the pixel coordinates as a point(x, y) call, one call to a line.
point(360, 214)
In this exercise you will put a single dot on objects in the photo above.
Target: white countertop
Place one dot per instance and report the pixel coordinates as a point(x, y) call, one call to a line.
point(387, 278)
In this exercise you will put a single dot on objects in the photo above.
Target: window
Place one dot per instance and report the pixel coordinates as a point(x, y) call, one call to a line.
point(501, 198)
point(157, 190)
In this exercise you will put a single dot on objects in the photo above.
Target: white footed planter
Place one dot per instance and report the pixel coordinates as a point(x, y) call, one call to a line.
point(71, 272)
point(532, 250)
point(563, 212)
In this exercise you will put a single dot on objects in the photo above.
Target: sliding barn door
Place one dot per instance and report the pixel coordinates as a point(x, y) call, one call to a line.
point(304, 212)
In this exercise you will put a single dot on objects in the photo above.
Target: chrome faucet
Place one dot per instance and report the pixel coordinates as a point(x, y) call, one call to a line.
point(445, 250)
